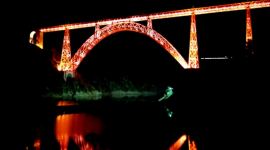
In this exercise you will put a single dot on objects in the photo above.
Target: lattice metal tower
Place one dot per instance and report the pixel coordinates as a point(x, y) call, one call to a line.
point(66, 52)
point(193, 60)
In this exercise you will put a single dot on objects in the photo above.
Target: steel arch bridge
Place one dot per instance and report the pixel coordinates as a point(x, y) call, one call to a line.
point(108, 30)
point(69, 64)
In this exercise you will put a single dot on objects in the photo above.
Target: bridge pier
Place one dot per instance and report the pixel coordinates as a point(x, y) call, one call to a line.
point(149, 23)
point(249, 43)
point(193, 59)
point(36, 38)
point(66, 52)
point(69, 74)
point(248, 26)
point(97, 31)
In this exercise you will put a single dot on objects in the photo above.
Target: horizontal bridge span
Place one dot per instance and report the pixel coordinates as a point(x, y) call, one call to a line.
point(164, 15)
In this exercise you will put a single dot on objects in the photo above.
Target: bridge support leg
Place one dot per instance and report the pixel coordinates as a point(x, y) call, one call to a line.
point(69, 74)
point(248, 32)
point(97, 31)
point(66, 52)
point(248, 26)
point(149, 23)
point(36, 38)
point(193, 60)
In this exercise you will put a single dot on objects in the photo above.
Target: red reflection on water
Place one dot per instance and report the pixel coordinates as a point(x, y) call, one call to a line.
point(37, 144)
point(66, 103)
point(179, 143)
point(76, 127)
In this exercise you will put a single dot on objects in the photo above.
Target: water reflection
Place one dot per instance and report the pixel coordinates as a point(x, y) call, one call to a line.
point(75, 128)
point(106, 125)
point(66, 103)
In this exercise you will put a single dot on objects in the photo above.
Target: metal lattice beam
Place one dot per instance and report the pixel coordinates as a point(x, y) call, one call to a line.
point(164, 15)
point(193, 59)
point(106, 31)
point(66, 52)
point(248, 26)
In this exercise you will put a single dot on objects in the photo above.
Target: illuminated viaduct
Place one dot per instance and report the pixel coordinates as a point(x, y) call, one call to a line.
point(70, 63)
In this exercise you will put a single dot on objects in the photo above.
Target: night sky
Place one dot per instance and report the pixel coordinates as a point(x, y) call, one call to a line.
point(216, 94)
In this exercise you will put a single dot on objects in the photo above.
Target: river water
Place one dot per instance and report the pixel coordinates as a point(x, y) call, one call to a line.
point(108, 125)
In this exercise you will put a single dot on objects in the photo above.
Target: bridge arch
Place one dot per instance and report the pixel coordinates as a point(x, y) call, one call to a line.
point(108, 30)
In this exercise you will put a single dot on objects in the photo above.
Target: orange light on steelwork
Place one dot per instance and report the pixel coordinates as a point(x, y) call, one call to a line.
point(179, 143)
point(39, 39)
point(32, 37)
point(129, 24)
point(164, 15)
point(66, 53)
point(106, 31)
point(248, 26)
point(193, 59)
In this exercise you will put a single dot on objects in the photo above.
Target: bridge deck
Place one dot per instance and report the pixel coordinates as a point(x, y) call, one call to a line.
point(164, 15)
